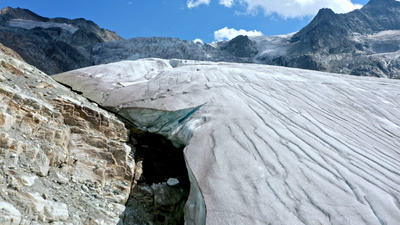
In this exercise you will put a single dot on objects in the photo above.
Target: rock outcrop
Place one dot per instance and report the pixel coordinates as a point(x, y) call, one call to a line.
point(52, 45)
point(265, 144)
point(63, 159)
point(241, 47)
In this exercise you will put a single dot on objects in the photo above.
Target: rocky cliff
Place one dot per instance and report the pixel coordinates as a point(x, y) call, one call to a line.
point(63, 159)
point(52, 45)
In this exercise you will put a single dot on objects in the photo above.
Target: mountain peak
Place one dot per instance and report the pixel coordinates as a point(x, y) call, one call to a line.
point(241, 46)
point(325, 11)
point(385, 13)
point(325, 16)
point(68, 41)
point(9, 13)
point(5, 10)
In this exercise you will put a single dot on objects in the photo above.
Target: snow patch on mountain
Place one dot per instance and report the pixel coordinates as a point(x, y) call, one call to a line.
point(30, 24)
point(271, 47)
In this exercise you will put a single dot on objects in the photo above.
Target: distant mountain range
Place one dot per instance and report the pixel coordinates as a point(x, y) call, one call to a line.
point(363, 42)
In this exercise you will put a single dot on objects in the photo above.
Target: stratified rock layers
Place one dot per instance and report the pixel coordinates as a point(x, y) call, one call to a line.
point(264, 144)
point(63, 159)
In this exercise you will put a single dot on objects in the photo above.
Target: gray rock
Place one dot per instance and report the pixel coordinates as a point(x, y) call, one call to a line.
point(241, 46)
point(172, 182)
point(9, 214)
point(51, 140)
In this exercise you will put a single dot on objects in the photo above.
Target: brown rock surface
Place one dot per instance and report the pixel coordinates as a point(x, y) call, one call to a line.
point(63, 160)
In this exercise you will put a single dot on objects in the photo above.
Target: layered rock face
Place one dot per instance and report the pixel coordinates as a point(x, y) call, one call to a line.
point(63, 159)
point(52, 45)
point(265, 144)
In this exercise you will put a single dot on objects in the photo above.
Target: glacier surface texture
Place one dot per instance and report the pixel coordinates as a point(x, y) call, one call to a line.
point(265, 144)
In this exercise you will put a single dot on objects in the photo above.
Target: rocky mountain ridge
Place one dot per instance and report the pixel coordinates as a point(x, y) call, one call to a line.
point(340, 43)
point(52, 45)
point(343, 43)
point(362, 42)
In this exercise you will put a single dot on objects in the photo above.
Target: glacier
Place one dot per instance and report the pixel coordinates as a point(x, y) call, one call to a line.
point(265, 144)
point(30, 24)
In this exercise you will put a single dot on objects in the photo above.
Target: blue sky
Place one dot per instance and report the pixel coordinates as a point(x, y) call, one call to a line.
point(188, 19)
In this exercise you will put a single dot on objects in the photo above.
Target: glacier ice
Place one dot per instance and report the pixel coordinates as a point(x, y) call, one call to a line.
point(265, 144)
point(30, 24)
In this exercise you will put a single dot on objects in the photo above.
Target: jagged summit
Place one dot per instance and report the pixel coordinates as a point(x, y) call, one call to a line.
point(386, 13)
point(241, 46)
point(376, 16)
point(9, 13)
point(345, 43)
point(325, 12)
point(326, 21)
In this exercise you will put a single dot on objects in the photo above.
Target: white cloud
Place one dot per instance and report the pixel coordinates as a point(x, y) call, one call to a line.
point(197, 40)
point(299, 8)
point(285, 8)
point(229, 33)
point(195, 3)
point(226, 3)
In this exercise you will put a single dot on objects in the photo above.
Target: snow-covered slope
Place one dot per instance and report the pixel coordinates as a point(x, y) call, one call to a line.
point(157, 47)
point(265, 144)
point(271, 47)
point(30, 24)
